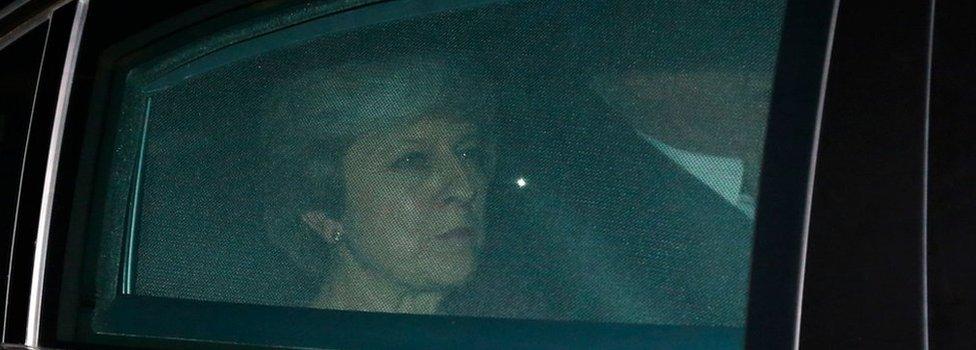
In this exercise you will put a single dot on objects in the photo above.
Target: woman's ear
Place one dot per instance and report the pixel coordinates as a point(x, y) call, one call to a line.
point(328, 228)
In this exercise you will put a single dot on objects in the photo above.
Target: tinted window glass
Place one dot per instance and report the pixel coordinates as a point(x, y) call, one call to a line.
point(527, 159)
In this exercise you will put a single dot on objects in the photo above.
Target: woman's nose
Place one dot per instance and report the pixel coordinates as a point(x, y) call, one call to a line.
point(459, 186)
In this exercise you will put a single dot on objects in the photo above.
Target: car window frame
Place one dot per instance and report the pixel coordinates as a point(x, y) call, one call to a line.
point(785, 260)
point(58, 18)
point(865, 276)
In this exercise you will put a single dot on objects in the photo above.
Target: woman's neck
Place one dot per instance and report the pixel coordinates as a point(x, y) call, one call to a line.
point(354, 286)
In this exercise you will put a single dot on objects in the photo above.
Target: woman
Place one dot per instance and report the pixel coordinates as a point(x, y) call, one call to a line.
point(380, 172)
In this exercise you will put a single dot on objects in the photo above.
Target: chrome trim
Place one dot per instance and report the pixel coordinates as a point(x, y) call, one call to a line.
point(20, 185)
point(925, 180)
point(50, 177)
point(29, 24)
point(12, 7)
point(24, 28)
point(808, 207)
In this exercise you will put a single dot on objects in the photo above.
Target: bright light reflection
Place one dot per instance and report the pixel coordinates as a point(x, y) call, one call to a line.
point(521, 182)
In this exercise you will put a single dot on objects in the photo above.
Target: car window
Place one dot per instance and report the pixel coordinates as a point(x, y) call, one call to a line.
point(508, 160)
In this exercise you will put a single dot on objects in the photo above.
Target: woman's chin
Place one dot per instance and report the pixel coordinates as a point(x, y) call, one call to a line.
point(447, 276)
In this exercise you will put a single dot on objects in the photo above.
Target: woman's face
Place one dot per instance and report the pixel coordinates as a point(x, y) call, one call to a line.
point(415, 199)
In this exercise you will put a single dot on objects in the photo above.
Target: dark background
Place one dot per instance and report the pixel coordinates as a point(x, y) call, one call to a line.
point(952, 194)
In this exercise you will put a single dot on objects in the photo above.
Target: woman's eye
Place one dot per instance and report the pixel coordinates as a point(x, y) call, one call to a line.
point(412, 161)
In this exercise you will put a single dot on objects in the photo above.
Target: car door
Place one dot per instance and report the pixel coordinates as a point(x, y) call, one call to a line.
point(842, 237)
